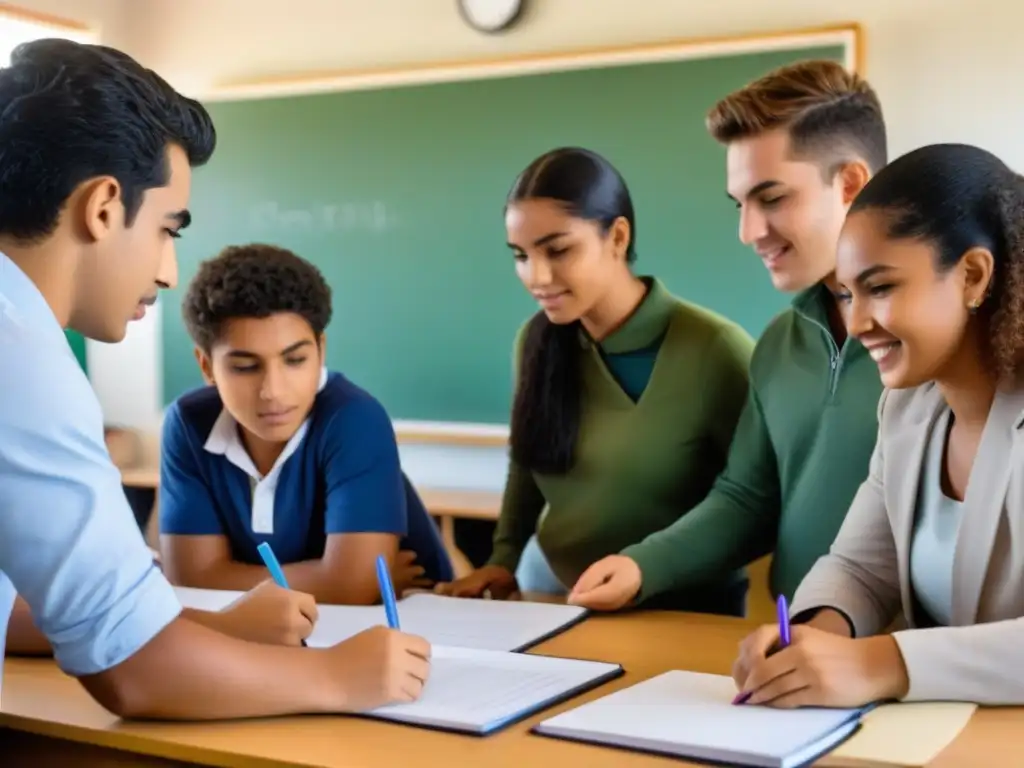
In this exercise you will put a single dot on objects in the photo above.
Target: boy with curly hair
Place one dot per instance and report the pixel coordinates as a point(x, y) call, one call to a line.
point(278, 449)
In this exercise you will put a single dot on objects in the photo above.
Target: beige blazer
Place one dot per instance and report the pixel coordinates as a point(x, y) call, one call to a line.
point(867, 571)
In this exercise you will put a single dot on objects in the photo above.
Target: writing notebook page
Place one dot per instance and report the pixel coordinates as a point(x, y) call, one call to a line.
point(475, 689)
point(492, 625)
point(336, 623)
point(694, 712)
point(495, 625)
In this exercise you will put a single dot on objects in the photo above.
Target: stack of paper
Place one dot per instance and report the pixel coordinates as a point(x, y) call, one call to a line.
point(691, 715)
point(493, 625)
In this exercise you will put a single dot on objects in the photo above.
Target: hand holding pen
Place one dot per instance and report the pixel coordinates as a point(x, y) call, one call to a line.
point(776, 643)
point(817, 667)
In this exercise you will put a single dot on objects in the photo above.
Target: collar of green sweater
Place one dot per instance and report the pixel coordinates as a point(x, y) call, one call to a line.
point(812, 303)
point(645, 326)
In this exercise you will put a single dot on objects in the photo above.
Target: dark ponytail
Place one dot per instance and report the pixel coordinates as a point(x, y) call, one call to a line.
point(959, 197)
point(546, 409)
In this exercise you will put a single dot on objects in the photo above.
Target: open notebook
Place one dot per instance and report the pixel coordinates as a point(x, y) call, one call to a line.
point(480, 692)
point(691, 715)
point(477, 685)
point(493, 625)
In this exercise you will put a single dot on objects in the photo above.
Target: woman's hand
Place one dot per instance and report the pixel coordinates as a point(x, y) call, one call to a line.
point(819, 669)
point(607, 585)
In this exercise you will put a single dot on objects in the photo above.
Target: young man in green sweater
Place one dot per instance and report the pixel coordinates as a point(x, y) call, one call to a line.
point(801, 143)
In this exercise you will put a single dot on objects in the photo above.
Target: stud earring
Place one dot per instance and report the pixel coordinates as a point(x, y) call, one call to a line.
point(973, 306)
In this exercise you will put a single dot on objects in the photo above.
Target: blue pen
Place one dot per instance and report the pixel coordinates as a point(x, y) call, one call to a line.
point(387, 592)
point(782, 611)
point(270, 560)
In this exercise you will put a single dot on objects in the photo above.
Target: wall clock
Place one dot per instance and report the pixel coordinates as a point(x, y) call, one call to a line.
point(491, 16)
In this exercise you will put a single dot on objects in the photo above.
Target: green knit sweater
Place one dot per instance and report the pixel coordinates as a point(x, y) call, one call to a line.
point(800, 453)
point(641, 462)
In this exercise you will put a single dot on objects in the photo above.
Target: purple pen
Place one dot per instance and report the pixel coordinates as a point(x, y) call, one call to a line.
point(783, 613)
point(783, 622)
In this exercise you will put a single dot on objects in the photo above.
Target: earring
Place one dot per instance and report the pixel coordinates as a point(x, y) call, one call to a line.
point(973, 306)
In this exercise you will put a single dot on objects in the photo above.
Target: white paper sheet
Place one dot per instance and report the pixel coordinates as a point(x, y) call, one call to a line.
point(690, 714)
point(479, 691)
point(494, 625)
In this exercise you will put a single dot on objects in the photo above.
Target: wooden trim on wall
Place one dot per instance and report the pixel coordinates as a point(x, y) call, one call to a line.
point(849, 34)
point(445, 433)
point(37, 17)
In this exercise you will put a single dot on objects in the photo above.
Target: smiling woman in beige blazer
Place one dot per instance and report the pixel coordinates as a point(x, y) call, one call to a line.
point(931, 277)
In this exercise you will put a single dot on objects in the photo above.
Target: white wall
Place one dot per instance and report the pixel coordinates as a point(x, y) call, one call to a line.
point(108, 18)
point(939, 67)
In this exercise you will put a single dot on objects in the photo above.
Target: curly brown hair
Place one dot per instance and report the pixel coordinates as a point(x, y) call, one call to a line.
point(254, 280)
point(1007, 309)
point(831, 114)
point(958, 197)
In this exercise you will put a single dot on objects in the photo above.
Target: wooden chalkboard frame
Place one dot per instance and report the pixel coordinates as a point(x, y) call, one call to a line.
point(848, 35)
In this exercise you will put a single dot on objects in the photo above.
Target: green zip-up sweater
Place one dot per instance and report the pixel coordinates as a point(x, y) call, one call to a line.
point(800, 452)
point(640, 462)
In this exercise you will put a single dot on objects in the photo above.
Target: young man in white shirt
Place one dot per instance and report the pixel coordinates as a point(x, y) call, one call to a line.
point(96, 157)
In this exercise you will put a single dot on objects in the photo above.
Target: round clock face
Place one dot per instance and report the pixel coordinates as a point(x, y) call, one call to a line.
point(490, 15)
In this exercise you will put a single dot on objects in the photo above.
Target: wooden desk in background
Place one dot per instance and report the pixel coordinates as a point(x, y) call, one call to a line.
point(50, 717)
point(446, 505)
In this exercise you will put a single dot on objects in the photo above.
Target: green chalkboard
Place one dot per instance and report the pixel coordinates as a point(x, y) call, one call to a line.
point(77, 343)
point(397, 195)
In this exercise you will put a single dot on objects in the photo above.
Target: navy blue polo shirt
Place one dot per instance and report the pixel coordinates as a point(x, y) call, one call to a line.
point(340, 473)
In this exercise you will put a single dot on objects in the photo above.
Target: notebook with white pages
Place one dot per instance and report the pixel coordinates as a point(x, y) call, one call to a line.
point(478, 683)
point(480, 692)
point(493, 625)
point(691, 715)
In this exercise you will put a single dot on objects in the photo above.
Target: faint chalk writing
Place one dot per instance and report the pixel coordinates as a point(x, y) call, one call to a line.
point(374, 216)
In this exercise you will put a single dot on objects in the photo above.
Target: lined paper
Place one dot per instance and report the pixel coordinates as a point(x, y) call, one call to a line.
point(478, 691)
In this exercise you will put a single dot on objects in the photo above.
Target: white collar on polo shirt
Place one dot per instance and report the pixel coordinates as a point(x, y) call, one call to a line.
point(225, 441)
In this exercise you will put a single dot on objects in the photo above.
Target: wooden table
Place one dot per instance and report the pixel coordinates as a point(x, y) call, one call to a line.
point(38, 700)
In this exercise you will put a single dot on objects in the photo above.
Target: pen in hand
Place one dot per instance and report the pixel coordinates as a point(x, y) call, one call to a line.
point(276, 572)
point(782, 611)
point(387, 592)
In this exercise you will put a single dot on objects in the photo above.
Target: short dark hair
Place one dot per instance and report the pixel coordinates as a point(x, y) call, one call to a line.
point(70, 112)
point(958, 197)
point(254, 280)
point(546, 409)
point(832, 115)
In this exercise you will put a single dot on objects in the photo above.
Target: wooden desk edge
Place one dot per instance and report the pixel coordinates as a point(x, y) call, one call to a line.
point(442, 502)
point(127, 743)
